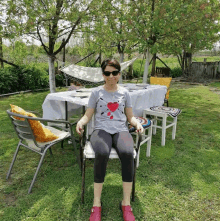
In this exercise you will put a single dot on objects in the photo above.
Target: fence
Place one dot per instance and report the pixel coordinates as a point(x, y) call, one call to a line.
point(205, 70)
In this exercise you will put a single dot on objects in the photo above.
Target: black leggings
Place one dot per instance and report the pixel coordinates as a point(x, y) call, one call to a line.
point(102, 142)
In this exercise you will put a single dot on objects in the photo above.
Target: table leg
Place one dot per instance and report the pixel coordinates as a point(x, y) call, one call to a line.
point(66, 112)
point(84, 136)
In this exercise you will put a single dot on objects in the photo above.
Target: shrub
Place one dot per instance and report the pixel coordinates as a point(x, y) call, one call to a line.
point(8, 80)
point(176, 72)
point(24, 78)
point(138, 68)
point(60, 80)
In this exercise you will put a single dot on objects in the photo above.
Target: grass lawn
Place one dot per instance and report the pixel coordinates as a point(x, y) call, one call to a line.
point(180, 181)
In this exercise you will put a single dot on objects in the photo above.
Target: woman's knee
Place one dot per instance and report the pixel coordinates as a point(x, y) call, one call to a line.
point(101, 143)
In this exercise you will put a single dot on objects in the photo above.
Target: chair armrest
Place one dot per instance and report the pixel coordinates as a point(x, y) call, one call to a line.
point(34, 112)
point(41, 119)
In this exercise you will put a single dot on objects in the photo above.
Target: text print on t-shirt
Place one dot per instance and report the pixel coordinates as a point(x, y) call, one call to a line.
point(107, 108)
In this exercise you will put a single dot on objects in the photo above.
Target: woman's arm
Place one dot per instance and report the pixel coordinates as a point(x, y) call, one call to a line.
point(84, 120)
point(132, 120)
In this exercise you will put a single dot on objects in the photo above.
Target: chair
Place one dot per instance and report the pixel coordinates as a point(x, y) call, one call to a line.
point(88, 153)
point(161, 114)
point(145, 137)
point(162, 81)
point(162, 71)
point(27, 139)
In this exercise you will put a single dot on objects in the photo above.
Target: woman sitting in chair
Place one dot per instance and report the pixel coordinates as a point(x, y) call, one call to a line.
point(112, 107)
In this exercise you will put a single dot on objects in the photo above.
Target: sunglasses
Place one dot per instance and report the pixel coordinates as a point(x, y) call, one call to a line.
point(114, 73)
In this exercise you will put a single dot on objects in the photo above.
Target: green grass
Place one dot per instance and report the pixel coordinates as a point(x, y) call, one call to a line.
point(180, 181)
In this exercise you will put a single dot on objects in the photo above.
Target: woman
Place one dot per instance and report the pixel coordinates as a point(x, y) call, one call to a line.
point(112, 107)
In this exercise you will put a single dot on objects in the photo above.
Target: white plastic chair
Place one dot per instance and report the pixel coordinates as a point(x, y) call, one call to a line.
point(88, 153)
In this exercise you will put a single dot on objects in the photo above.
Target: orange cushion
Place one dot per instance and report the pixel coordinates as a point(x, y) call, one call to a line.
point(41, 133)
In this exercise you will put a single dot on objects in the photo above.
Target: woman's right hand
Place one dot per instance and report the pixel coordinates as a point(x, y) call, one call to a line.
point(79, 128)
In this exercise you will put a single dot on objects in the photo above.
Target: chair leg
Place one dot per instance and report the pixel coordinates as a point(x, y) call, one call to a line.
point(62, 144)
point(133, 184)
point(83, 180)
point(51, 153)
point(149, 141)
point(174, 128)
point(164, 124)
point(38, 168)
point(154, 124)
point(138, 156)
point(14, 158)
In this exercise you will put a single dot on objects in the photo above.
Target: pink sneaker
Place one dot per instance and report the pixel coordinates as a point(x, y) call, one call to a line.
point(127, 212)
point(95, 213)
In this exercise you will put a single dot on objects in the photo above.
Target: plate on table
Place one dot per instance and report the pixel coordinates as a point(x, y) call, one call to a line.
point(142, 85)
point(134, 89)
point(84, 90)
point(81, 94)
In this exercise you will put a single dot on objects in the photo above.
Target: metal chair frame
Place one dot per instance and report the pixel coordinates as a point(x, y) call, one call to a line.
point(24, 132)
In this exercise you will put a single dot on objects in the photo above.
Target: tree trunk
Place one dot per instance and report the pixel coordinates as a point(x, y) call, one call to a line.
point(185, 63)
point(130, 70)
point(146, 67)
point(189, 63)
point(1, 53)
point(52, 75)
point(153, 65)
point(100, 57)
point(121, 60)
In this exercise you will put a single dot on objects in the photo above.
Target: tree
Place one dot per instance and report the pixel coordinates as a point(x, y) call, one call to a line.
point(48, 21)
point(160, 25)
point(109, 31)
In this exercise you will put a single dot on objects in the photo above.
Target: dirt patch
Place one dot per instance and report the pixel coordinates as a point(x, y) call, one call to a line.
point(215, 90)
point(9, 199)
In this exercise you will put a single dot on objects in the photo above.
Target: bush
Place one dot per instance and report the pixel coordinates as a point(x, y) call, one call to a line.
point(176, 72)
point(138, 68)
point(60, 80)
point(8, 80)
point(21, 79)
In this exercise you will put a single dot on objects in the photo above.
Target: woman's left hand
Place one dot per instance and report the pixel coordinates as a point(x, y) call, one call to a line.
point(139, 128)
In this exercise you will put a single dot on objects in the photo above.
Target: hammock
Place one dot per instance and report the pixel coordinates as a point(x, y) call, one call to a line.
point(89, 75)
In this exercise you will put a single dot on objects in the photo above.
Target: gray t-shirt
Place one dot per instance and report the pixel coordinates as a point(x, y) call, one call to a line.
point(109, 109)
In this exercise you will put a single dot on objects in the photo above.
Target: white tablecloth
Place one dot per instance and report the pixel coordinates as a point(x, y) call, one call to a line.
point(54, 104)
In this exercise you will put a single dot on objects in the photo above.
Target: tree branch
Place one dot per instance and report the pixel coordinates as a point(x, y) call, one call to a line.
point(7, 62)
point(44, 46)
point(70, 34)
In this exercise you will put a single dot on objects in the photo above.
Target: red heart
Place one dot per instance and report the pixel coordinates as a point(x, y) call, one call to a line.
point(112, 106)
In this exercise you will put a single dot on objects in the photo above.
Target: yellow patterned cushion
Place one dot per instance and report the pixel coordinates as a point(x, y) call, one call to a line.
point(41, 134)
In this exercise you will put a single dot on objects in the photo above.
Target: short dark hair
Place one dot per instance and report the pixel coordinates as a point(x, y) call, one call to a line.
point(110, 62)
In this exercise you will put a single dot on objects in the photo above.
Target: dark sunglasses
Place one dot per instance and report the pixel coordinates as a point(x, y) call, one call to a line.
point(114, 73)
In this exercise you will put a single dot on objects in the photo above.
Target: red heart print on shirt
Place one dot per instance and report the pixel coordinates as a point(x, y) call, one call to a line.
point(112, 106)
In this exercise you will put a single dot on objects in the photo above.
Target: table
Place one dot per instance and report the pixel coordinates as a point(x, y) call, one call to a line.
point(60, 105)
point(63, 104)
